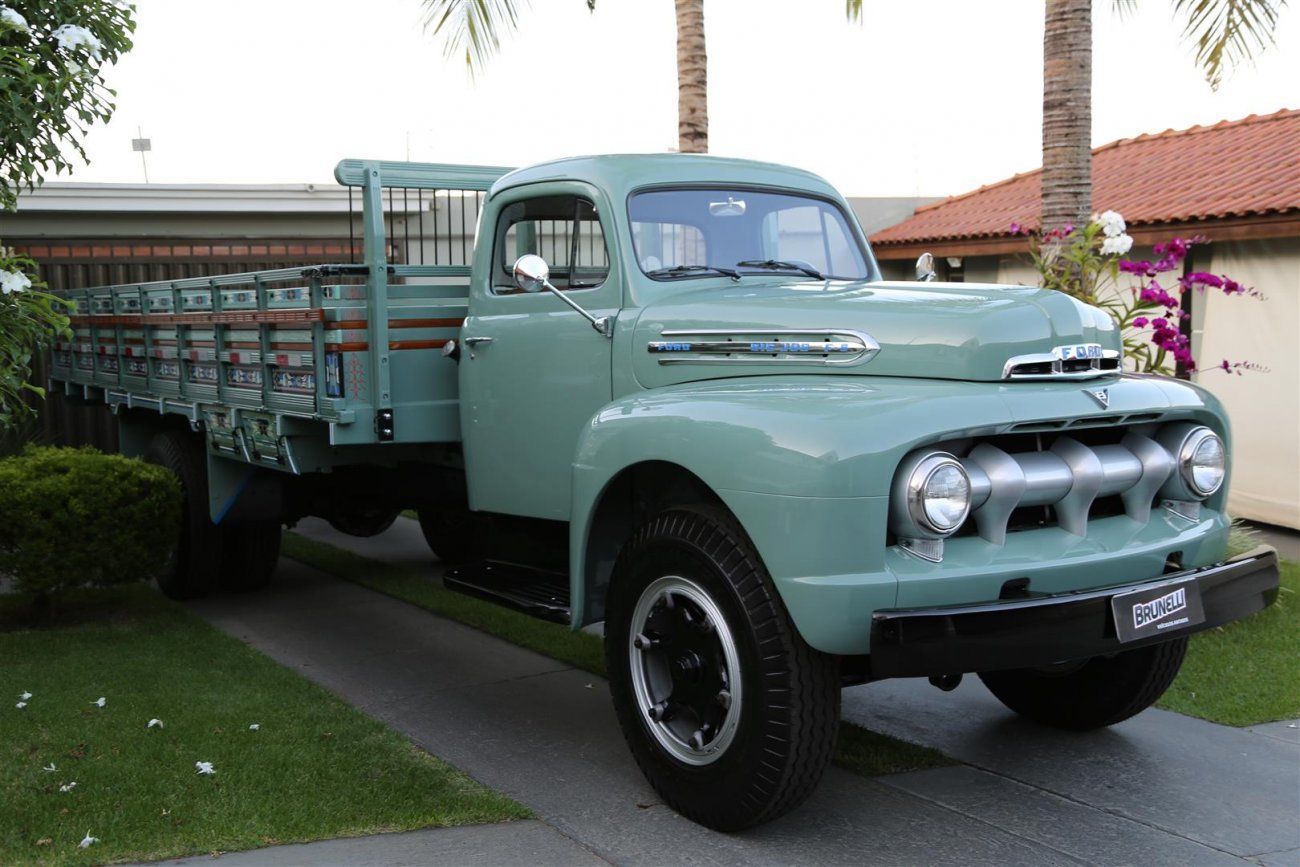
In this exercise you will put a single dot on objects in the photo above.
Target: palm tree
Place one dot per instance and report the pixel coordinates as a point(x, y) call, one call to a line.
point(1225, 32)
point(473, 28)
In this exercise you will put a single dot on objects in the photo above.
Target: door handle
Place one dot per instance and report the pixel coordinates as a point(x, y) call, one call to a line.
point(477, 341)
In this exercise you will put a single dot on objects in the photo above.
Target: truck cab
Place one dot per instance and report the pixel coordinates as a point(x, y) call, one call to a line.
point(673, 394)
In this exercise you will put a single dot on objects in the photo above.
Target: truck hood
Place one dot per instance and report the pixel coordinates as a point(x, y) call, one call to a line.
point(932, 330)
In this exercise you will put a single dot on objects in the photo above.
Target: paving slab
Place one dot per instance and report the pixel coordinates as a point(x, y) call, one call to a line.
point(548, 738)
point(1229, 789)
point(1289, 858)
point(509, 843)
point(1284, 730)
point(1158, 789)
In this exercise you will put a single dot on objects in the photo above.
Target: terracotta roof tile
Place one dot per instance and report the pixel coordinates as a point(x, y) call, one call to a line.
point(1238, 168)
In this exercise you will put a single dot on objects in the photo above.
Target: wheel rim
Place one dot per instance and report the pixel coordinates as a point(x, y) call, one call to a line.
point(685, 670)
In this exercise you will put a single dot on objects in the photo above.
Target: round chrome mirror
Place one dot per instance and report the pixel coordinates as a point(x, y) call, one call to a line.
point(924, 267)
point(531, 273)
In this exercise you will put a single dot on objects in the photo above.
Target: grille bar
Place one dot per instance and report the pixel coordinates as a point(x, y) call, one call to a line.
point(1069, 476)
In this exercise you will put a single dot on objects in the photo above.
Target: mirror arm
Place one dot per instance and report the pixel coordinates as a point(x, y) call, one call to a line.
point(603, 324)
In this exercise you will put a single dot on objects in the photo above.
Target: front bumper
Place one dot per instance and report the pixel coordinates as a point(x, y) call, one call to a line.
point(919, 642)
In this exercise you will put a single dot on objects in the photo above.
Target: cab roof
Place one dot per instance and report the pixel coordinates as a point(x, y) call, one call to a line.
point(620, 174)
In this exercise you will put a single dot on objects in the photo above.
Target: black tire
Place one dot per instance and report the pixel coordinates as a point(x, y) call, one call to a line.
point(1097, 693)
point(785, 727)
point(450, 534)
point(195, 565)
point(250, 554)
point(364, 523)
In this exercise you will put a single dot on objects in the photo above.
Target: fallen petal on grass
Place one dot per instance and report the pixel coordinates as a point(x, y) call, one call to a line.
point(21, 705)
point(204, 767)
point(255, 727)
point(154, 724)
point(68, 787)
point(24, 696)
point(100, 702)
point(86, 841)
point(50, 767)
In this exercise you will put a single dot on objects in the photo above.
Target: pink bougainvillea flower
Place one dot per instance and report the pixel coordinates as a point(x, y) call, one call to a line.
point(1140, 322)
point(1015, 228)
point(1200, 279)
point(1137, 266)
point(1160, 323)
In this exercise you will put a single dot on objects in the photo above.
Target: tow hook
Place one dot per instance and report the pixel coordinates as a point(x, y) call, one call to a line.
point(945, 682)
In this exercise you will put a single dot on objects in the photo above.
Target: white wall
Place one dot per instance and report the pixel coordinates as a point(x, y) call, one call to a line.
point(1264, 407)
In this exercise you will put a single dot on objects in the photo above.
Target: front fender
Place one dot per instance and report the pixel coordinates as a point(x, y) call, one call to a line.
point(805, 464)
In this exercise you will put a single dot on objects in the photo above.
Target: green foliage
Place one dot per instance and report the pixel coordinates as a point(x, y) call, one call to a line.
point(1226, 33)
point(72, 517)
point(53, 54)
point(1247, 672)
point(29, 319)
point(316, 768)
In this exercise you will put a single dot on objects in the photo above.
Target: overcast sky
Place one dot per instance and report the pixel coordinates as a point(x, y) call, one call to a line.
point(930, 97)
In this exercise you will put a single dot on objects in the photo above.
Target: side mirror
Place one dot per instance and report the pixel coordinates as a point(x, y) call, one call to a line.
point(531, 273)
point(924, 268)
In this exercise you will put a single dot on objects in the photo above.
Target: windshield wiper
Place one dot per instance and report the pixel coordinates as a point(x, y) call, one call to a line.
point(678, 270)
point(778, 265)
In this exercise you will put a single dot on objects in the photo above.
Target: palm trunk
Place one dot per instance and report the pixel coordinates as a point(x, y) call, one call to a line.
point(692, 79)
point(1067, 113)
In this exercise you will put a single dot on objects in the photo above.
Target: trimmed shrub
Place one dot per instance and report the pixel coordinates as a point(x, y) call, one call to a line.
point(73, 517)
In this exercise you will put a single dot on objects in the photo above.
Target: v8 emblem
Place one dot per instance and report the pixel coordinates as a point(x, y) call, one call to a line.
point(1101, 395)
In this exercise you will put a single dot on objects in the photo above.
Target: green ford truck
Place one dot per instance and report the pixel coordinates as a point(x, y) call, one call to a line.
point(673, 393)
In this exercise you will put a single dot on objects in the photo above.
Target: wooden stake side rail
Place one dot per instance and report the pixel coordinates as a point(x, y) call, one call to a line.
point(357, 345)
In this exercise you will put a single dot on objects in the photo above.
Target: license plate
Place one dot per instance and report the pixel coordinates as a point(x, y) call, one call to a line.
point(1166, 608)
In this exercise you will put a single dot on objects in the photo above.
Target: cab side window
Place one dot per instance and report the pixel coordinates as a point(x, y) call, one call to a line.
point(563, 230)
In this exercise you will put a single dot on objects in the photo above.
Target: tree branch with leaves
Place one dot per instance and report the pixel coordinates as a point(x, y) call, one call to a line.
point(53, 54)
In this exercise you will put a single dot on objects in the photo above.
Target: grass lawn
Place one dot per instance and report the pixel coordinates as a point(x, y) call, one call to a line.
point(1247, 672)
point(859, 750)
point(316, 768)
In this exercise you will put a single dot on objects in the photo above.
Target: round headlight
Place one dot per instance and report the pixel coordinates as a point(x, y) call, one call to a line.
point(1202, 461)
point(938, 494)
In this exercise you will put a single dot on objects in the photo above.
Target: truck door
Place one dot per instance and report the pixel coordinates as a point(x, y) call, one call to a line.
point(533, 371)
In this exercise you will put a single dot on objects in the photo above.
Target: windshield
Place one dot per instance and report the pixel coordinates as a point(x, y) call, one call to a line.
point(682, 234)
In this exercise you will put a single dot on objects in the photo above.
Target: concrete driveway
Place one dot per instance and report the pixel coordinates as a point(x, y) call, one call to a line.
point(1158, 789)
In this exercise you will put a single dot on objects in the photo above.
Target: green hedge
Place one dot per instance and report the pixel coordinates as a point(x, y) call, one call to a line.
point(72, 517)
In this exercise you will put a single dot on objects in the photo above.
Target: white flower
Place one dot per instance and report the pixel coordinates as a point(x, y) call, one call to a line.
point(1112, 224)
point(21, 705)
point(50, 767)
point(69, 787)
point(254, 727)
point(101, 701)
point(204, 767)
point(25, 696)
point(85, 843)
point(14, 281)
point(1117, 245)
point(73, 36)
point(12, 18)
point(154, 723)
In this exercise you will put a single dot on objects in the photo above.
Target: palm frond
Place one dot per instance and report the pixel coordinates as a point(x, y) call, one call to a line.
point(1227, 32)
point(472, 27)
point(1124, 7)
point(853, 10)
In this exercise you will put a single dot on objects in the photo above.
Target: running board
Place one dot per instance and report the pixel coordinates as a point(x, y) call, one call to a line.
point(535, 592)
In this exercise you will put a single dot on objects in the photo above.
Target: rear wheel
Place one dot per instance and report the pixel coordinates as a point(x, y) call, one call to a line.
point(363, 523)
point(195, 564)
point(450, 534)
point(729, 714)
point(1091, 693)
point(250, 553)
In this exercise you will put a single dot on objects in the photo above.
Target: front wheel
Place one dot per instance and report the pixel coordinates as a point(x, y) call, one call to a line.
point(729, 714)
point(1091, 693)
